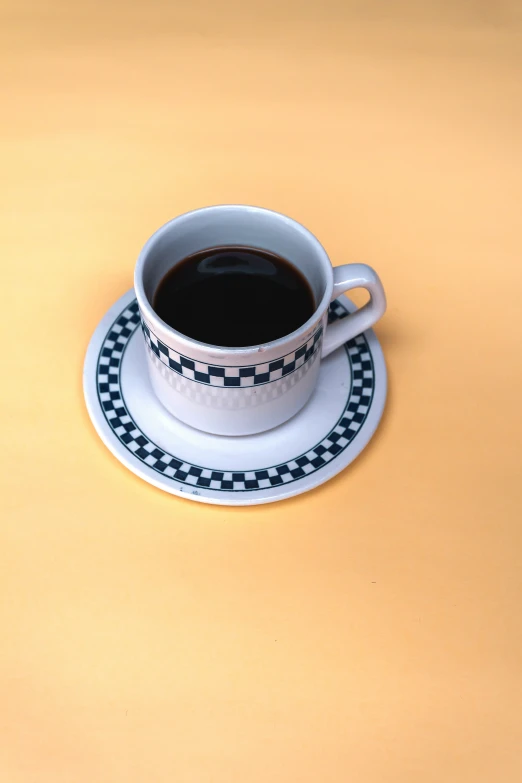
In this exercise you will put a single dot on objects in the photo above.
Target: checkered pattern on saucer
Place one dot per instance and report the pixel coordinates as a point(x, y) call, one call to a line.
point(111, 399)
point(213, 375)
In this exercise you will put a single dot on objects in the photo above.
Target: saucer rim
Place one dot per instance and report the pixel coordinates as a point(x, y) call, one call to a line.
point(228, 497)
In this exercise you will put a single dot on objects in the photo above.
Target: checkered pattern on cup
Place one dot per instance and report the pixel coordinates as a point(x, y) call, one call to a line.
point(214, 375)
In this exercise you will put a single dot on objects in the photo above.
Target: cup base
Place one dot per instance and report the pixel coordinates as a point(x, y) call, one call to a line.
point(238, 412)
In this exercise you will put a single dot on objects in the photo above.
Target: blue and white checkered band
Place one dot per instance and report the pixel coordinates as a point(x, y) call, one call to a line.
point(357, 406)
point(215, 375)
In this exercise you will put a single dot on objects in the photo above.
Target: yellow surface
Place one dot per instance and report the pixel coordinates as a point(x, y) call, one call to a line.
point(370, 631)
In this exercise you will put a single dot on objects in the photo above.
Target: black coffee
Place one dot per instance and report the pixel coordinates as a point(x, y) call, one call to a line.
point(234, 297)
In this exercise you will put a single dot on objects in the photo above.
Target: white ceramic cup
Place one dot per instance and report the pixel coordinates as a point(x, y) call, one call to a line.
point(241, 391)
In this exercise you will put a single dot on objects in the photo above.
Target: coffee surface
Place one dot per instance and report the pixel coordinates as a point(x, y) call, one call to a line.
point(234, 297)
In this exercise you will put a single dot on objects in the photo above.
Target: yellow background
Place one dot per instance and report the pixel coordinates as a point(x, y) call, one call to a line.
point(369, 631)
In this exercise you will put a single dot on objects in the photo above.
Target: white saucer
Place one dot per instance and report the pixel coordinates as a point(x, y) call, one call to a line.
point(328, 434)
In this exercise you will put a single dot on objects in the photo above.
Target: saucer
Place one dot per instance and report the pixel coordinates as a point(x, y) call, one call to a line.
point(316, 444)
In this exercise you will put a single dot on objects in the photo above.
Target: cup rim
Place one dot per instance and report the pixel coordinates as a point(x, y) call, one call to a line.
point(221, 350)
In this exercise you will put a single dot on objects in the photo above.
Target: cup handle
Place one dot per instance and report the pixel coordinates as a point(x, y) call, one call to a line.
point(346, 278)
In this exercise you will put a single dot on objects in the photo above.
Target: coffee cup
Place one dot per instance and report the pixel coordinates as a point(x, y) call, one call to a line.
point(246, 390)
